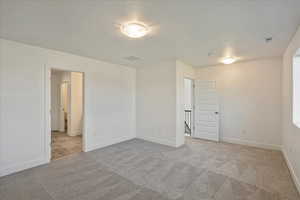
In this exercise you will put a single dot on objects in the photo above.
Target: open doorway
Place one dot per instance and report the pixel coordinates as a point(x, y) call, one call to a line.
point(296, 89)
point(188, 106)
point(66, 113)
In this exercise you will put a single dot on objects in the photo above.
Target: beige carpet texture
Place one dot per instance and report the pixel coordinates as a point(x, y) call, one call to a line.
point(140, 170)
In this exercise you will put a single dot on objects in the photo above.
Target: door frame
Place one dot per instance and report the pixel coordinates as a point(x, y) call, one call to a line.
point(193, 104)
point(47, 109)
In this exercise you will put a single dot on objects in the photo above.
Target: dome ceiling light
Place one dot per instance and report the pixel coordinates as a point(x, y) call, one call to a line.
point(134, 29)
point(228, 60)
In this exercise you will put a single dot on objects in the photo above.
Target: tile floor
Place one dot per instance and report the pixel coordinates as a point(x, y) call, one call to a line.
point(63, 145)
point(140, 170)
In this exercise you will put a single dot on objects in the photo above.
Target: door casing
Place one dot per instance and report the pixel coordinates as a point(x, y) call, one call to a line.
point(47, 111)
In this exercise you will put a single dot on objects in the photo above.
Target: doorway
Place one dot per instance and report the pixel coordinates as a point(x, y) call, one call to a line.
point(66, 113)
point(188, 107)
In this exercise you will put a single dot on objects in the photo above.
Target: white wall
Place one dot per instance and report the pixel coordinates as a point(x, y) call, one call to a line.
point(55, 101)
point(76, 104)
point(155, 101)
point(290, 133)
point(296, 90)
point(250, 101)
point(160, 102)
point(188, 91)
point(109, 102)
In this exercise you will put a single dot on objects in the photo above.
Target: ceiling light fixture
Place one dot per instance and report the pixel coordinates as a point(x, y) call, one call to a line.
point(134, 29)
point(228, 60)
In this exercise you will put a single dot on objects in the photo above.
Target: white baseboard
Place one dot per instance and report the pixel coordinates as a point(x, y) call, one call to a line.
point(159, 141)
point(272, 147)
point(292, 170)
point(102, 145)
point(22, 166)
point(36, 162)
point(251, 143)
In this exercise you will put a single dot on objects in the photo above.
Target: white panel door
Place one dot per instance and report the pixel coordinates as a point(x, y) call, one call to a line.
point(206, 110)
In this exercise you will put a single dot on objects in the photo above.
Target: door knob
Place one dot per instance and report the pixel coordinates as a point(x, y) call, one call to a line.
point(216, 113)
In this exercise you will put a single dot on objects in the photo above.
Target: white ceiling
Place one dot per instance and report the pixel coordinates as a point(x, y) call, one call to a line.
point(183, 29)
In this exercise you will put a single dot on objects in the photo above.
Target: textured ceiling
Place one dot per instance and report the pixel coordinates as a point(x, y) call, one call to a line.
point(187, 30)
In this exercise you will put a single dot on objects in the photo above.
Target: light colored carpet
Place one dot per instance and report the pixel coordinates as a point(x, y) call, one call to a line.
point(140, 170)
point(63, 145)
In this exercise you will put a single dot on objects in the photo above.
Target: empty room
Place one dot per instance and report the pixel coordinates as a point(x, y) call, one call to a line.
point(149, 100)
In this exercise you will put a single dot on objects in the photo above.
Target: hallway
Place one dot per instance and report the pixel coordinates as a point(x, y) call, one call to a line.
point(64, 145)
